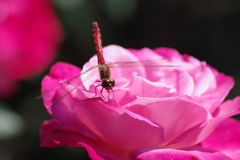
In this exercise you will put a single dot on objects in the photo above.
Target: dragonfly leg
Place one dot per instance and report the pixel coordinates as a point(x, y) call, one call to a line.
point(96, 90)
point(112, 93)
point(102, 94)
point(108, 94)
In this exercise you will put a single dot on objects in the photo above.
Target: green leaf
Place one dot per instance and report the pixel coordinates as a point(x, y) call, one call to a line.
point(11, 123)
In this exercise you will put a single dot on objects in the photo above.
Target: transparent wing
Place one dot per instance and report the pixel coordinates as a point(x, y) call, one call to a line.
point(68, 86)
point(146, 63)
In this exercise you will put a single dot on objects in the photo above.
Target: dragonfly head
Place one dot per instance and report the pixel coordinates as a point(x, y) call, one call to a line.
point(108, 84)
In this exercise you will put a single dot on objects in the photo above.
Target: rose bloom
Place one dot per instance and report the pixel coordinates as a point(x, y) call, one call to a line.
point(29, 37)
point(168, 113)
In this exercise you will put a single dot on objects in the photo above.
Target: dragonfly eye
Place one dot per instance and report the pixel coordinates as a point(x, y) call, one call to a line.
point(108, 84)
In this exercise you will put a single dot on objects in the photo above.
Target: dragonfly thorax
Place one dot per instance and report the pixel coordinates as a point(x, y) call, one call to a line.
point(104, 71)
point(108, 84)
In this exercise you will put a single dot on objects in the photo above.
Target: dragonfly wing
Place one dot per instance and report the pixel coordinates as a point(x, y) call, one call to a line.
point(66, 87)
point(146, 63)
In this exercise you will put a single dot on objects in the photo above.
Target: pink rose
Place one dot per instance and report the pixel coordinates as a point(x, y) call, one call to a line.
point(29, 37)
point(157, 112)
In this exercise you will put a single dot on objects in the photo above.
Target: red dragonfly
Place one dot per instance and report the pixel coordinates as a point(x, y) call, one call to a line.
point(103, 68)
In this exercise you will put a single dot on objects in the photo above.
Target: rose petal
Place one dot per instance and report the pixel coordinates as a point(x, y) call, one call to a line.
point(102, 118)
point(228, 108)
point(224, 85)
point(185, 62)
point(196, 135)
point(46, 135)
point(168, 53)
point(54, 133)
point(144, 88)
point(166, 112)
point(59, 73)
point(225, 138)
point(145, 53)
point(97, 149)
point(203, 77)
point(64, 113)
point(146, 153)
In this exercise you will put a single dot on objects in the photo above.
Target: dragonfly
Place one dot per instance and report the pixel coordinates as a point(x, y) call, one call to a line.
point(107, 83)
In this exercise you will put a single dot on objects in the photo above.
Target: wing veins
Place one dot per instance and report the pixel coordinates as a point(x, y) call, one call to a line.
point(68, 86)
point(146, 63)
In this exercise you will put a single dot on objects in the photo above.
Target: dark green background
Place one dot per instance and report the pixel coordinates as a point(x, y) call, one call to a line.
point(208, 30)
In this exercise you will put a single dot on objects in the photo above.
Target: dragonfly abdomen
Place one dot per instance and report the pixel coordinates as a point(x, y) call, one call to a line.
point(98, 43)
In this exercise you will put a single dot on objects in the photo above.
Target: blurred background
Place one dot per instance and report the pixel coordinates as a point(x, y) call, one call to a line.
point(36, 34)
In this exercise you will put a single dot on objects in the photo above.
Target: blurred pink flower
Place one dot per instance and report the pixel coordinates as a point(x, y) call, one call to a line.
point(157, 113)
point(29, 37)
